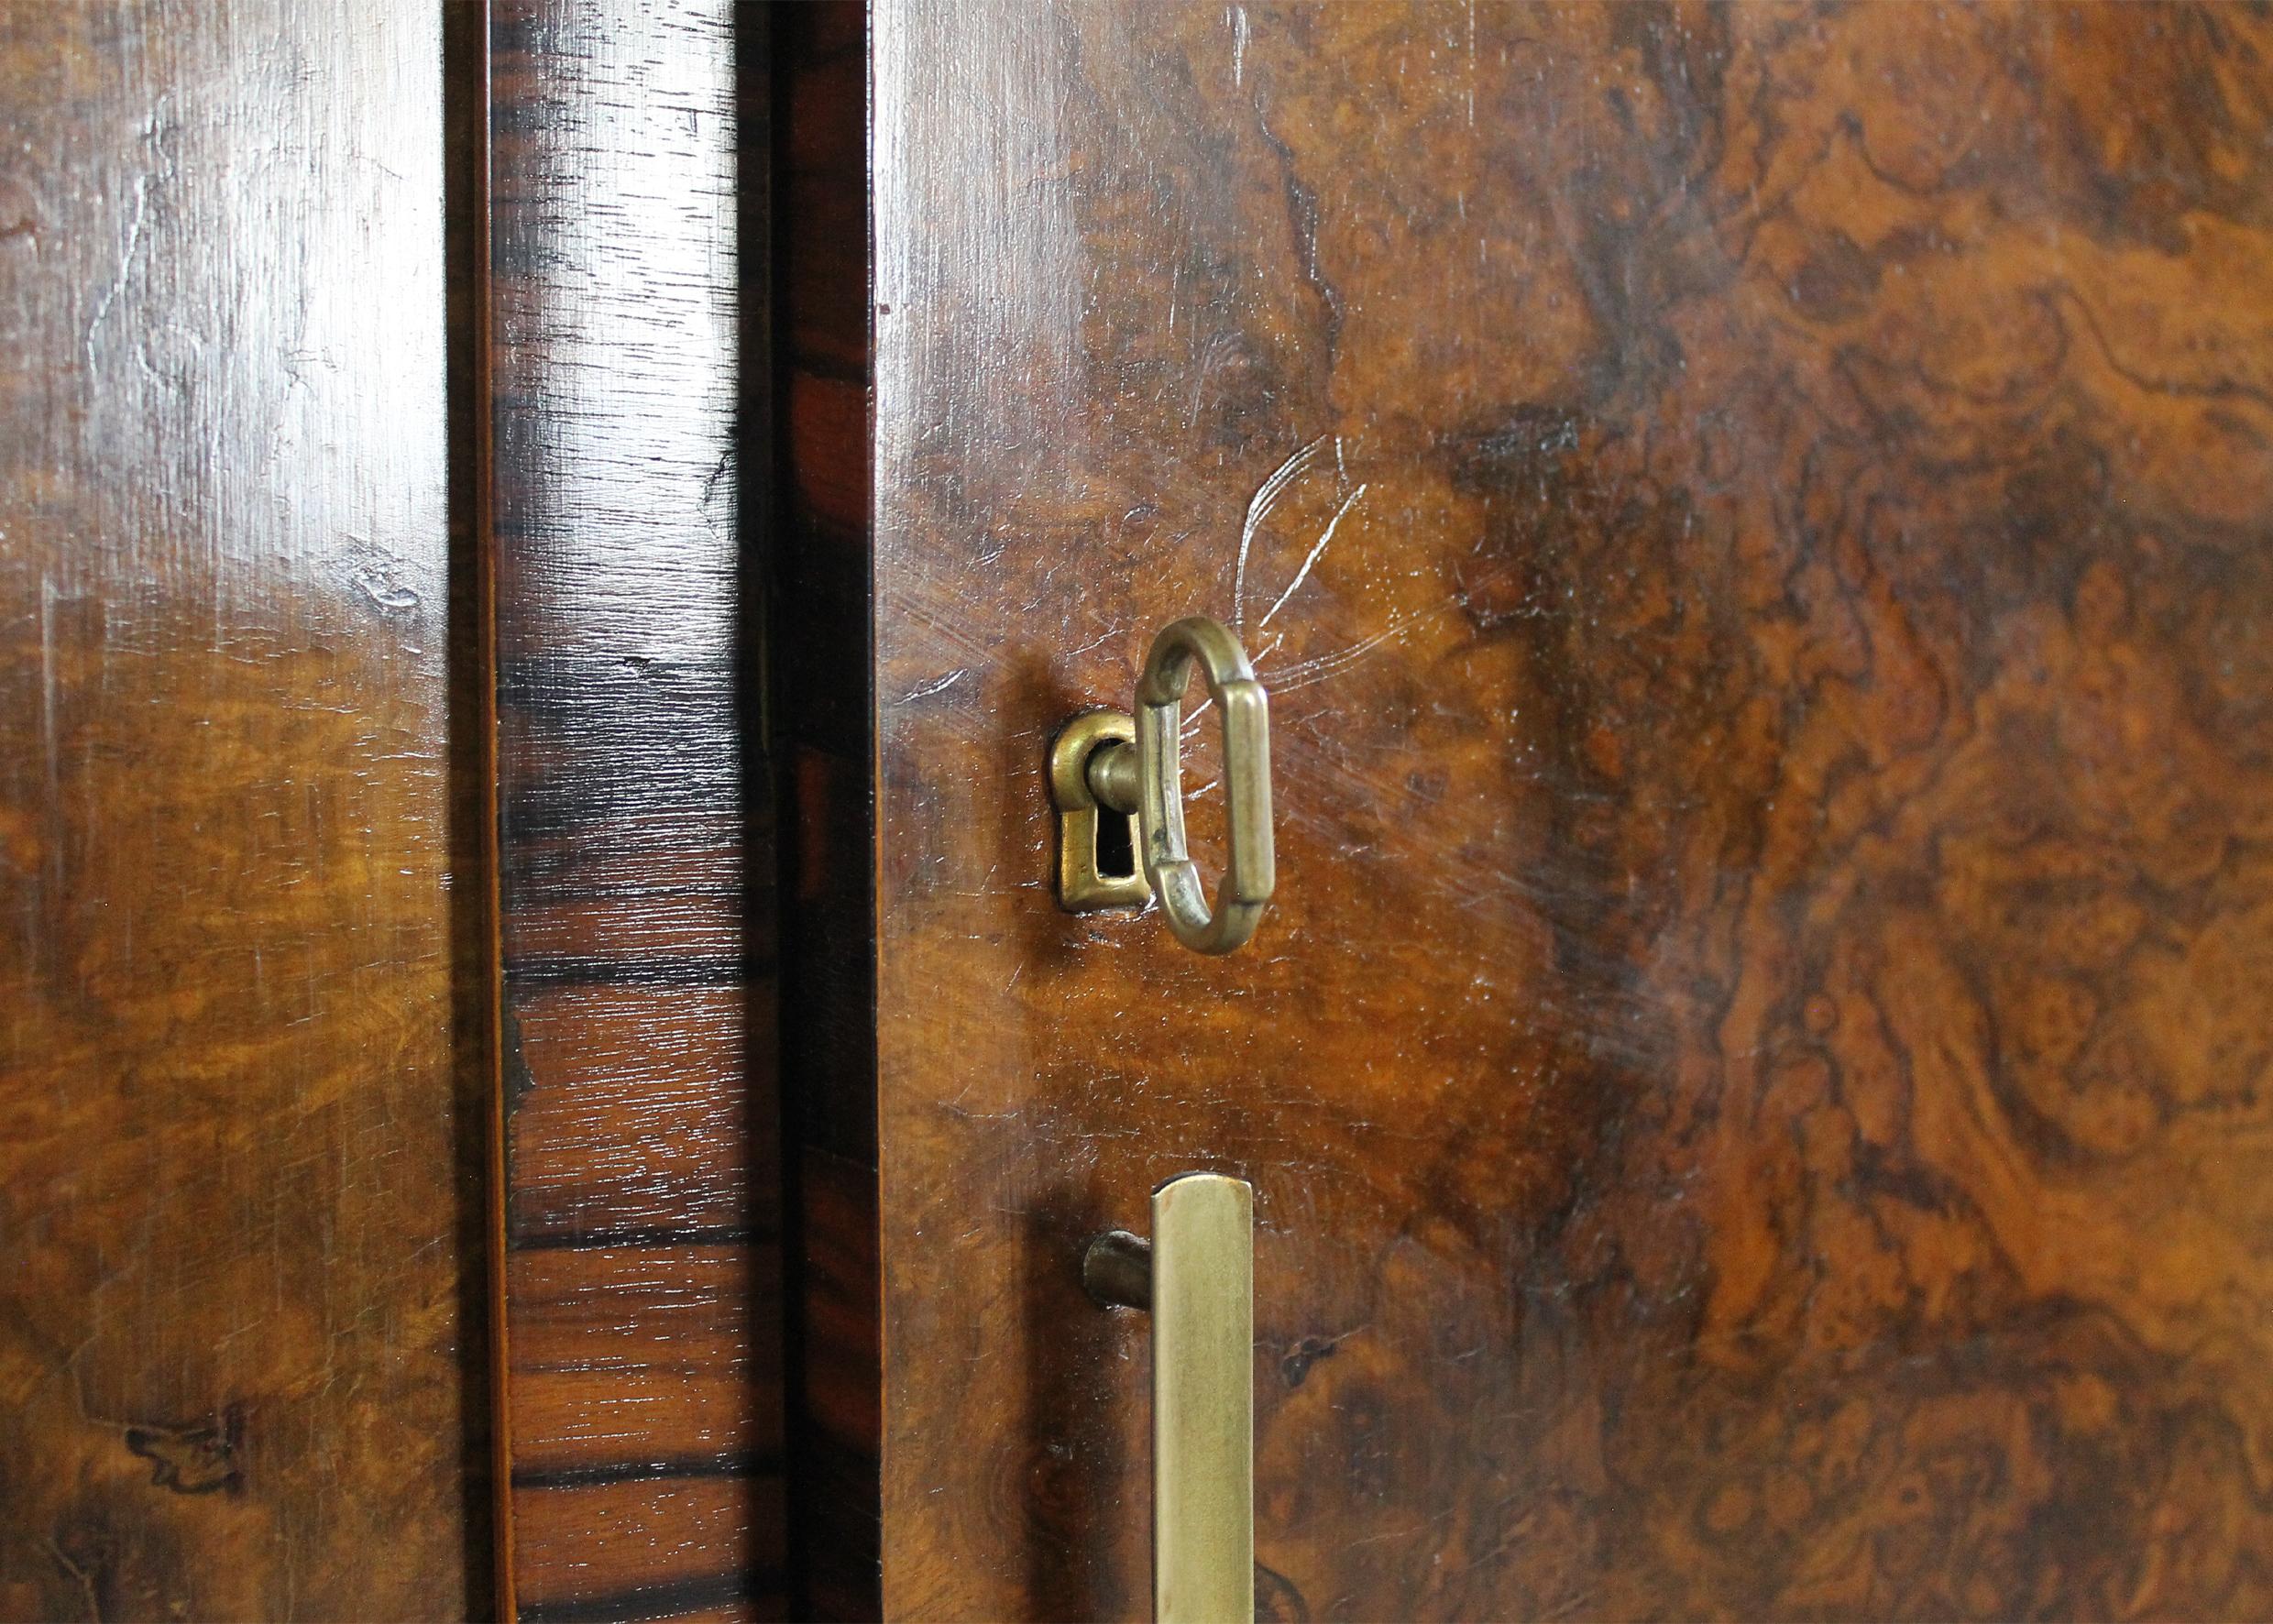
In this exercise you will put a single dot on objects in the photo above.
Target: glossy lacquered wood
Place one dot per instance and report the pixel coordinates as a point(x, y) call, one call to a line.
point(240, 1349)
point(641, 1376)
point(1753, 522)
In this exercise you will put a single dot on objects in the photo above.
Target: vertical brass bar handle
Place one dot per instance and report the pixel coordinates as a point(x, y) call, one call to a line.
point(1203, 1401)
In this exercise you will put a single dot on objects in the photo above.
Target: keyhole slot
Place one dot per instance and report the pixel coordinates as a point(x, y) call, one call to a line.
point(1116, 845)
point(1099, 863)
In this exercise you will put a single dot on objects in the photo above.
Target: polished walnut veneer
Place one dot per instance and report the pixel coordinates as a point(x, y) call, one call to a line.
point(241, 1305)
point(1755, 1080)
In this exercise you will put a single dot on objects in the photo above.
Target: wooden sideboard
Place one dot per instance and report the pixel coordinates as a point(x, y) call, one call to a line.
point(543, 550)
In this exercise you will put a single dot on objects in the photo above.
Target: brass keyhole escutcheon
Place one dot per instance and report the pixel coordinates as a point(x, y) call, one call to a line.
point(1108, 764)
point(1085, 837)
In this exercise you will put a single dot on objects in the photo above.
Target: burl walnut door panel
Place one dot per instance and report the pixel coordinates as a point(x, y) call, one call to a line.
point(241, 1103)
point(1755, 526)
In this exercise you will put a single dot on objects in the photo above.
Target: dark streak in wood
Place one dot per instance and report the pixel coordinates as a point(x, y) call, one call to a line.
point(737, 1463)
point(739, 1596)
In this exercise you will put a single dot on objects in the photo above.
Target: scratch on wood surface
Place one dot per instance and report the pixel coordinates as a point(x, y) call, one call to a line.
point(937, 686)
point(1303, 574)
point(1266, 497)
point(127, 256)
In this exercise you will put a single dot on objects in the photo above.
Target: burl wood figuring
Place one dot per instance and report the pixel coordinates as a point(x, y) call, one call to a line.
point(642, 1373)
point(240, 1214)
point(1755, 525)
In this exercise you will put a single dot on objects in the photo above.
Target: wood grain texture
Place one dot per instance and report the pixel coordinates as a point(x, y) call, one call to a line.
point(238, 1172)
point(641, 1280)
point(1755, 1082)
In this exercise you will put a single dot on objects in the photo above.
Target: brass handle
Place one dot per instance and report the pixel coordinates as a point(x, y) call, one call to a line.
point(1094, 764)
point(1197, 1277)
